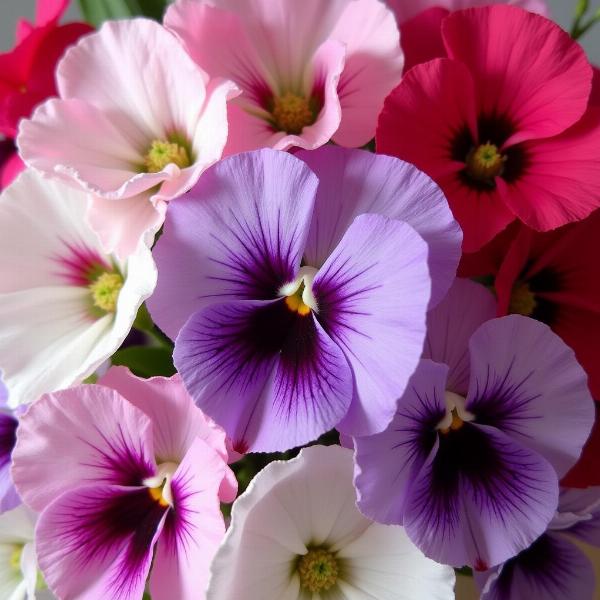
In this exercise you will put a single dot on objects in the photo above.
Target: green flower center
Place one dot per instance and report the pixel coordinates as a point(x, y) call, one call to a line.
point(318, 570)
point(165, 152)
point(105, 290)
point(522, 300)
point(15, 559)
point(485, 162)
point(292, 112)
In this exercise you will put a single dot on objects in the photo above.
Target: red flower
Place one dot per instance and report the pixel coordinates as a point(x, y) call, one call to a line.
point(553, 277)
point(27, 73)
point(502, 124)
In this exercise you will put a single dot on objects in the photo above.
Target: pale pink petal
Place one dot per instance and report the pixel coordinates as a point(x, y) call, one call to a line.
point(84, 434)
point(193, 529)
point(373, 68)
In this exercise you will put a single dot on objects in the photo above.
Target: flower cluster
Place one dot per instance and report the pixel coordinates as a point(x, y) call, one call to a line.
point(298, 301)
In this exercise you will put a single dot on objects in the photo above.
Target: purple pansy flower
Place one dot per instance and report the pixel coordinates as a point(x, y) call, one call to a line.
point(125, 475)
point(471, 460)
point(8, 436)
point(553, 567)
point(299, 312)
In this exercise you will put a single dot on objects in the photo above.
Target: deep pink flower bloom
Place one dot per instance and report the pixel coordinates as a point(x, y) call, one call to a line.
point(502, 145)
point(309, 70)
point(124, 476)
point(27, 73)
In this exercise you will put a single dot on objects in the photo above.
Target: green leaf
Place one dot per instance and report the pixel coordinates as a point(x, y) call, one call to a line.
point(97, 11)
point(145, 361)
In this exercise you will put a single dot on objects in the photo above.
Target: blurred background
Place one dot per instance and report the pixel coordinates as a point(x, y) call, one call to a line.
point(11, 10)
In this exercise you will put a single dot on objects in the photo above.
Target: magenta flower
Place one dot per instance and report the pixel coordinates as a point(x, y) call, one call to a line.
point(472, 473)
point(297, 311)
point(553, 567)
point(309, 70)
point(121, 483)
point(8, 435)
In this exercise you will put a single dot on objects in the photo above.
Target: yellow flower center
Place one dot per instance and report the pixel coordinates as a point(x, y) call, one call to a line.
point(522, 300)
point(105, 290)
point(485, 162)
point(292, 113)
point(456, 423)
point(318, 570)
point(156, 493)
point(296, 304)
point(15, 559)
point(165, 152)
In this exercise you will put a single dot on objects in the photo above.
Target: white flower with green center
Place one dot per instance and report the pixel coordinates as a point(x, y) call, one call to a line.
point(296, 534)
point(19, 575)
point(65, 303)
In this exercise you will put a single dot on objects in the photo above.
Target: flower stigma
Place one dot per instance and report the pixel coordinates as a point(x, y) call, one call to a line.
point(318, 570)
point(522, 300)
point(159, 486)
point(164, 152)
point(298, 294)
point(485, 162)
point(456, 413)
point(292, 112)
point(105, 290)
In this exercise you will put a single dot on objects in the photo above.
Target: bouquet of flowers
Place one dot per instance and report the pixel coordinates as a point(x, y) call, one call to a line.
point(299, 301)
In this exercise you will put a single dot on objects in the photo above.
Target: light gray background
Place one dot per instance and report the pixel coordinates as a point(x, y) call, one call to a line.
point(11, 10)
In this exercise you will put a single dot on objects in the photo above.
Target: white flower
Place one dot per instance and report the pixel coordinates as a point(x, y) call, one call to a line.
point(65, 304)
point(18, 564)
point(296, 534)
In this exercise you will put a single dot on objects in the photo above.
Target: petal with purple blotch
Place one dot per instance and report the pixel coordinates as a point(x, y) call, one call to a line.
point(82, 434)
point(238, 234)
point(480, 499)
point(552, 568)
point(8, 436)
point(527, 382)
point(271, 377)
point(97, 541)
point(387, 463)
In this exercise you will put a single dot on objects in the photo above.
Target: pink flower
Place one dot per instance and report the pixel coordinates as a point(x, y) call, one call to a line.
point(125, 474)
point(502, 124)
point(27, 73)
point(309, 70)
point(137, 122)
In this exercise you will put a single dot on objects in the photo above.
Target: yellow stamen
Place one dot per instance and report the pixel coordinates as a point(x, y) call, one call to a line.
point(15, 559)
point(156, 494)
point(105, 291)
point(296, 304)
point(164, 152)
point(292, 113)
point(485, 162)
point(522, 300)
point(318, 571)
point(456, 424)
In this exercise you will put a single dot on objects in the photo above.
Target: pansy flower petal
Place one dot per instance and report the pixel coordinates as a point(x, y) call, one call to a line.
point(86, 433)
point(450, 326)
point(363, 305)
point(272, 378)
point(552, 568)
point(480, 499)
point(8, 429)
point(235, 235)
point(194, 528)
point(353, 182)
point(96, 541)
point(387, 463)
point(544, 405)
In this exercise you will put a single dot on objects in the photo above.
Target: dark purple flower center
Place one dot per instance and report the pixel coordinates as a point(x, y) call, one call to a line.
point(486, 158)
point(8, 437)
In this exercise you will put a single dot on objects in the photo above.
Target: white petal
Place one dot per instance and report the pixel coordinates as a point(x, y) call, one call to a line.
point(48, 340)
point(384, 564)
point(16, 526)
point(29, 568)
point(12, 586)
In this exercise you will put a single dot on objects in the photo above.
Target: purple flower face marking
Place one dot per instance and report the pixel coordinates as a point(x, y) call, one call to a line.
point(9, 498)
point(473, 476)
point(121, 485)
point(553, 567)
point(300, 308)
